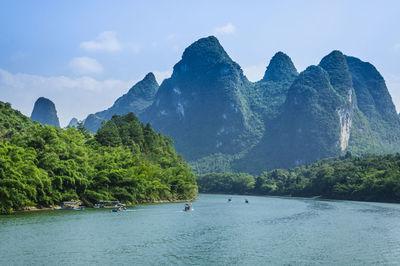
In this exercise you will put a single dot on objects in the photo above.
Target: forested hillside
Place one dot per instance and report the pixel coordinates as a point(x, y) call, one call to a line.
point(126, 161)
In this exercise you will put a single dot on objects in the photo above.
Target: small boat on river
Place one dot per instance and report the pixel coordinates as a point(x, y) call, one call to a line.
point(108, 204)
point(70, 206)
point(188, 207)
point(121, 207)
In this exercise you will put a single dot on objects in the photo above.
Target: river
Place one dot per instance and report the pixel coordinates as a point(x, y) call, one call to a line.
point(266, 231)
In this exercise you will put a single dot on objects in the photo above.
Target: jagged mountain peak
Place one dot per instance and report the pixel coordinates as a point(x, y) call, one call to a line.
point(280, 68)
point(136, 100)
point(335, 64)
point(206, 86)
point(205, 47)
point(73, 123)
point(313, 76)
point(203, 56)
point(146, 88)
point(44, 101)
point(44, 111)
point(334, 60)
point(150, 77)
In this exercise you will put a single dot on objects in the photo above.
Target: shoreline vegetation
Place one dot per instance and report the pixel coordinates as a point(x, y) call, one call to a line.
point(371, 177)
point(319, 197)
point(125, 160)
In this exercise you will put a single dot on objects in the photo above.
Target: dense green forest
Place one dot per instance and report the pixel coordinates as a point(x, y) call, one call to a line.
point(366, 178)
point(126, 161)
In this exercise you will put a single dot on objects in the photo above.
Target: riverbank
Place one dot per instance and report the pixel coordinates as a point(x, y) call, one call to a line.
point(37, 208)
point(51, 208)
point(164, 201)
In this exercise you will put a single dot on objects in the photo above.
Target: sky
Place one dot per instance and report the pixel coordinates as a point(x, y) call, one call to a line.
point(83, 55)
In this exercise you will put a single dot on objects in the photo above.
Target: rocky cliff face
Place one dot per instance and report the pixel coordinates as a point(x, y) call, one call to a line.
point(345, 122)
point(339, 77)
point(138, 98)
point(44, 112)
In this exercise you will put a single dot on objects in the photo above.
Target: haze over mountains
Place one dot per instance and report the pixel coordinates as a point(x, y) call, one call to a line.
point(221, 121)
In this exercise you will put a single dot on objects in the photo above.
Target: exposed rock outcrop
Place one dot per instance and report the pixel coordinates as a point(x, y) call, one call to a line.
point(44, 112)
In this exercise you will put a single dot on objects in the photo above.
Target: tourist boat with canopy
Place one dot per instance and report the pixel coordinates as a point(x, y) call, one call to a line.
point(70, 206)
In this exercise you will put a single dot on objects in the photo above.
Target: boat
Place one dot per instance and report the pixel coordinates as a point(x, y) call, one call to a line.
point(108, 204)
point(120, 208)
point(188, 207)
point(70, 206)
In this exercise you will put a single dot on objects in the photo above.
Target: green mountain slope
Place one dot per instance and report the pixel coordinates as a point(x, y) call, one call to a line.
point(204, 106)
point(342, 105)
point(376, 106)
point(12, 122)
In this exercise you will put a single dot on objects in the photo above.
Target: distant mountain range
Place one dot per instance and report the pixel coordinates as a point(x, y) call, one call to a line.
point(220, 121)
point(138, 98)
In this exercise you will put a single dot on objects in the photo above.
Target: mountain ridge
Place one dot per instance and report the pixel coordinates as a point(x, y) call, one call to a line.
point(221, 121)
point(138, 98)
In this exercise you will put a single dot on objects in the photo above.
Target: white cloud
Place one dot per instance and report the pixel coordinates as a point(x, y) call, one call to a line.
point(73, 97)
point(171, 37)
point(161, 75)
point(105, 42)
point(85, 65)
point(135, 48)
point(397, 47)
point(254, 73)
point(225, 30)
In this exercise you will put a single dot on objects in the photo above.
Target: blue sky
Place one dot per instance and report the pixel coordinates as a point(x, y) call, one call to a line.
point(85, 54)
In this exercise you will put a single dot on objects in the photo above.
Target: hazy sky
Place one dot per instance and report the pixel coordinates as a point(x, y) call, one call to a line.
point(84, 54)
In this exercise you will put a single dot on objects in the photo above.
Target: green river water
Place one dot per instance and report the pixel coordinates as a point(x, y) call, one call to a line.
point(267, 231)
